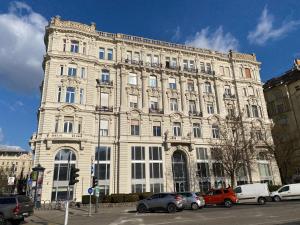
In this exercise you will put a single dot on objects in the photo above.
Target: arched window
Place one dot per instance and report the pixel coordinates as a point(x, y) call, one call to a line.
point(64, 160)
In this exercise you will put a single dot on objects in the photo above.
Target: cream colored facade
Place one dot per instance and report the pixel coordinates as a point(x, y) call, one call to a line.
point(15, 161)
point(152, 86)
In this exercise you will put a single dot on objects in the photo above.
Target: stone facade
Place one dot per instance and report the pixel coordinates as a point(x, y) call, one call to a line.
point(157, 103)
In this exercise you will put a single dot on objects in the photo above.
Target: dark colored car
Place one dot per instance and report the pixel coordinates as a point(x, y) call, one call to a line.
point(222, 196)
point(170, 202)
point(15, 208)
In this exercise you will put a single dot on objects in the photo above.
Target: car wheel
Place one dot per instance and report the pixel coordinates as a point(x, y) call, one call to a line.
point(227, 203)
point(2, 220)
point(277, 198)
point(261, 201)
point(194, 206)
point(142, 208)
point(171, 208)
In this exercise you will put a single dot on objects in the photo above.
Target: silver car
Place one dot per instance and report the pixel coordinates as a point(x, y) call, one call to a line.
point(192, 200)
point(170, 202)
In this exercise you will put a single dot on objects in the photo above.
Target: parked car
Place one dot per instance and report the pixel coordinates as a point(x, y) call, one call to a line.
point(192, 200)
point(252, 193)
point(170, 202)
point(15, 208)
point(222, 196)
point(286, 192)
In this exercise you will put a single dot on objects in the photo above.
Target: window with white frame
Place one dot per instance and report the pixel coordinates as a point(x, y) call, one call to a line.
point(174, 63)
point(227, 90)
point(72, 72)
point(103, 127)
point(215, 131)
point(153, 103)
point(203, 170)
point(105, 77)
point(255, 112)
point(192, 106)
point(132, 79)
point(202, 67)
point(172, 83)
point(133, 101)
point(156, 129)
point(192, 64)
point(104, 100)
point(155, 60)
point(153, 81)
point(176, 129)
point(185, 64)
point(129, 55)
point(68, 124)
point(81, 96)
point(74, 46)
point(109, 54)
point(173, 104)
point(70, 95)
point(210, 108)
point(190, 85)
point(101, 53)
point(156, 169)
point(208, 68)
point(136, 56)
point(135, 127)
point(196, 130)
point(138, 174)
point(202, 153)
point(207, 87)
point(102, 168)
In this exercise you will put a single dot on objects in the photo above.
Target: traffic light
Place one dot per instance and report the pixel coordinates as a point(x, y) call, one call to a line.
point(95, 182)
point(73, 175)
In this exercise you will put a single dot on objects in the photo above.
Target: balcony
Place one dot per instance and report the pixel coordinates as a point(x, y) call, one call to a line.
point(229, 96)
point(104, 108)
point(209, 72)
point(172, 67)
point(195, 113)
point(104, 82)
point(157, 111)
point(133, 62)
point(191, 70)
point(154, 65)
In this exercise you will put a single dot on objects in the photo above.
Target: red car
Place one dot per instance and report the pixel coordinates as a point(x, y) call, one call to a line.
point(222, 196)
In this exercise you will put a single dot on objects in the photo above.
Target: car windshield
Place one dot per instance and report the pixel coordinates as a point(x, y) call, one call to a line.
point(7, 200)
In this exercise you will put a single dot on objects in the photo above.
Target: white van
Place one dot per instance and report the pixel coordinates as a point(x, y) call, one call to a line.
point(252, 193)
point(286, 192)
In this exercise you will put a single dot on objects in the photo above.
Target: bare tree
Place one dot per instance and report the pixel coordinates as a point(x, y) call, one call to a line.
point(283, 144)
point(235, 146)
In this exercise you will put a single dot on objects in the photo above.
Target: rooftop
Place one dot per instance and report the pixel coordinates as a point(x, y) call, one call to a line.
point(12, 149)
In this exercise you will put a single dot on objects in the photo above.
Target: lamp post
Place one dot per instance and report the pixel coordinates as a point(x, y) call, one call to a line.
point(37, 177)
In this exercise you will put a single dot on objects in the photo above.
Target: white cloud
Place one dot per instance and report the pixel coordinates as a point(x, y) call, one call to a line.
point(1, 135)
point(15, 106)
point(21, 48)
point(217, 40)
point(177, 34)
point(266, 31)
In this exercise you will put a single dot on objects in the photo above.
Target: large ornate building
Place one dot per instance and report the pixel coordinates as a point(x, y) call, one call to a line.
point(153, 107)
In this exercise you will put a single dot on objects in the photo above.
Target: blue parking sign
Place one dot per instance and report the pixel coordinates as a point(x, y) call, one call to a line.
point(90, 191)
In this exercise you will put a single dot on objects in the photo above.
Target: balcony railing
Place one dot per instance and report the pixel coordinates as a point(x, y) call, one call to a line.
point(210, 72)
point(172, 67)
point(191, 70)
point(104, 109)
point(195, 113)
point(133, 61)
point(154, 65)
point(105, 82)
point(228, 95)
point(160, 111)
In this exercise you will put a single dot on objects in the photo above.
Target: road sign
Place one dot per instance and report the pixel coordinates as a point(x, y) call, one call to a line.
point(90, 190)
point(11, 181)
point(97, 191)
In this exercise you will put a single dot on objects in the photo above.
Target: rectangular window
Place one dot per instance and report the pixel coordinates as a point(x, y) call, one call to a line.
point(74, 46)
point(173, 104)
point(185, 64)
point(103, 127)
point(56, 124)
point(172, 83)
point(132, 79)
point(264, 170)
point(215, 131)
point(210, 108)
point(202, 153)
point(156, 187)
point(59, 94)
point(153, 81)
point(192, 106)
point(81, 100)
point(136, 57)
point(82, 72)
point(135, 127)
point(68, 124)
point(190, 85)
point(105, 77)
point(245, 92)
point(101, 53)
point(84, 48)
point(255, 111)
point(207, 87)
point(138, 188)
point(104, 100)
point(153, 103)
point(137, 153)
point(70, 95)
point(148, 59)
point(102, 153)
point(155, 153)
point(64, 44)
point(192, 64)
point(61, 70)
point(129, 55)
point(133, 101)
point(174, 63)
point(218, 169)
point(155, 60)
point(208, 68)
point(203, 169)
point(156, 129)
point(176, 129)
point(156, 170)
point(196, 130)
point(79, 125)
point(248, 111)
point(202, 67)
point(102, 166)
point(247, 73)
point(72, 71)
point(109, 54)
point(167, 60)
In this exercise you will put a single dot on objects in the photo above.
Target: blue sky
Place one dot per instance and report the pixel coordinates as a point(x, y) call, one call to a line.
point(270, 29)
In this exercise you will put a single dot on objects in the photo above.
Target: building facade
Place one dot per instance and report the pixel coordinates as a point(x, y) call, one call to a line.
point(153, 108)
point(282, 95)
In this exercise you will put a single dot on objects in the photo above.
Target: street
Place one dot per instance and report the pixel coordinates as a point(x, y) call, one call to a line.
point(287, 213)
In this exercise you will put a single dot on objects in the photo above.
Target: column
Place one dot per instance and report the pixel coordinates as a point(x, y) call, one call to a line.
point(219, 98)
point(123, 91)
point(144, 92)
point(182, 91)
point(201, 100)
point(165, 104)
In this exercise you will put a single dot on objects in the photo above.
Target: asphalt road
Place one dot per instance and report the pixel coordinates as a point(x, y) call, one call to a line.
point(284, 213)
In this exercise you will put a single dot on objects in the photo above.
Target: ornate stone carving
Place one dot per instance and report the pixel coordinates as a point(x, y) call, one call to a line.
point(155, 92)
point(132, 90)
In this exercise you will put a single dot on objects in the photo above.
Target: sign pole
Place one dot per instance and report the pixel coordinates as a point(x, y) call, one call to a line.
point(90, 209)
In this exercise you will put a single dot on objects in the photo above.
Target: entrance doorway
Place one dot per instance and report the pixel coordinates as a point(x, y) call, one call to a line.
point(180, 175)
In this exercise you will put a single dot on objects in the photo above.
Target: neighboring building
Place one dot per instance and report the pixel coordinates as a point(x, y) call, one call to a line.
point(159, 105)
point(283, 101)
point(15, 161)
